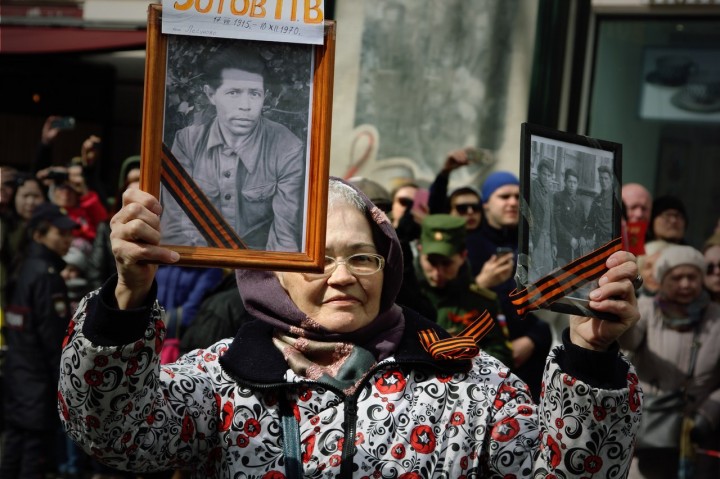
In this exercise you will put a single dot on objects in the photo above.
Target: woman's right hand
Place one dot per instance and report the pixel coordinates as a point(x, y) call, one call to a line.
point(135, 239)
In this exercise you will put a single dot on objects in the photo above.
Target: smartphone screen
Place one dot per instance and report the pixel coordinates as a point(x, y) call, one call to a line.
point(64, 123)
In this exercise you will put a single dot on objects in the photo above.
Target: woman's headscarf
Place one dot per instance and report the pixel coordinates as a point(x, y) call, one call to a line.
point(267, 300)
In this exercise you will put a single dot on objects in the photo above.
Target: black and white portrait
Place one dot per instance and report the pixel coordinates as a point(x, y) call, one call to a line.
point(237, 120)
point(571, 204)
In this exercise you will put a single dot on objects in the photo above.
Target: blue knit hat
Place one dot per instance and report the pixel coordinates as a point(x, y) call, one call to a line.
point(497, 180)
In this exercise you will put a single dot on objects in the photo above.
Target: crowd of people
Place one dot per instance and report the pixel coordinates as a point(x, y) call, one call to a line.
point(120, 363)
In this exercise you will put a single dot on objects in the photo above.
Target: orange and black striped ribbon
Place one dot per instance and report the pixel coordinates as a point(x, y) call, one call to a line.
point(195, 204)
point(565, 280)
point(462, 346)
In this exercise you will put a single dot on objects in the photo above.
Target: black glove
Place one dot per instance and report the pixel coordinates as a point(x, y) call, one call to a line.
point(702, 431)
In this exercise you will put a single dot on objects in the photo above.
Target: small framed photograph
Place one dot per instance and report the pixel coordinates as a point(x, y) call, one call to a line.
point(235, 144)
point(570, 206)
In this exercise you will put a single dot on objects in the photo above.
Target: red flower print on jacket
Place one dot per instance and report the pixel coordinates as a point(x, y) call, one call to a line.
point(554, 450)
point(506, 429)
point(93, 378)
point(505, 393)
point(422, 439)
point(457, 419)
point(226, 415)
point(390, 382)
point(252, 427)
point(273, 475)
point(398, 451)
point(63, 406)
point(308, 447)
point(410, 475)
point(593, 464)
point(188, 429)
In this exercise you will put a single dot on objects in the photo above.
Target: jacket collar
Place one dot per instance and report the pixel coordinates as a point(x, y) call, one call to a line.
point(253, 358)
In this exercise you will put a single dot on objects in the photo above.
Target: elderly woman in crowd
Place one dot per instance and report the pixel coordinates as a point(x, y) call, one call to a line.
point(678, 332)
point(331, 378)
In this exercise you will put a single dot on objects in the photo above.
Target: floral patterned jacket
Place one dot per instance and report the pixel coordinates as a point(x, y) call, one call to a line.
point(220, 412)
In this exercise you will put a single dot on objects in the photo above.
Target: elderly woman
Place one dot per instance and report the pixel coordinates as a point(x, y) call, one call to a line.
point(673, 323)
point(331, 380)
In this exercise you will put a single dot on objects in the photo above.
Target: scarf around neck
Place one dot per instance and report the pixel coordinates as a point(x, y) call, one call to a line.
point(682, 317)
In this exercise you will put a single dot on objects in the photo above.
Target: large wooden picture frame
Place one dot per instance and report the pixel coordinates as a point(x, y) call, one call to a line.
point(284, 172)
point(556, 226)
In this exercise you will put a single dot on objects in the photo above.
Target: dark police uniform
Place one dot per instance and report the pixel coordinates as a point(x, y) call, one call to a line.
point(35, 322)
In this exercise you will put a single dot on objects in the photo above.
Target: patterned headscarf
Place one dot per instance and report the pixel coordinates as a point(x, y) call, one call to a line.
point(268, 301)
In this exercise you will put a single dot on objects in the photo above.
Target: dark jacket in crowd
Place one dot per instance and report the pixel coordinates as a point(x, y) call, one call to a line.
point(37, 316)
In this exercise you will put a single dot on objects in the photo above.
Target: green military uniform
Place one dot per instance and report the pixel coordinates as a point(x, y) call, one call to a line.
point(461, 301)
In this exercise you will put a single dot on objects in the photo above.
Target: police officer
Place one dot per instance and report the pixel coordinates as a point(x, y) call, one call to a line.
point(35, 323)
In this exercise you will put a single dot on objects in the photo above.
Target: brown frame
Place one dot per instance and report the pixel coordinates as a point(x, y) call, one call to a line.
point(318, 172)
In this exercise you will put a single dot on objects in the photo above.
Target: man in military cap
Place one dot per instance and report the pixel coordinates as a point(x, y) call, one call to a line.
point(568, 220)
point(446, 281)
point(599, 224)
point(541, 257)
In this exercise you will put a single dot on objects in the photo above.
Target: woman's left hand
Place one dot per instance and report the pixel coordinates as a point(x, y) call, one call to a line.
point(615, 295)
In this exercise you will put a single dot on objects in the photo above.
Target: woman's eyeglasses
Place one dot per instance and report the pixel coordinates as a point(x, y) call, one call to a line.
point(361, 264)
point(711, 267)
point(464, 208)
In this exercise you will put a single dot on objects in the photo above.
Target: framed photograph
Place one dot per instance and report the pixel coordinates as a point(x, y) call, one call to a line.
point(680, 84)
point(235, 144)
point(570, 206)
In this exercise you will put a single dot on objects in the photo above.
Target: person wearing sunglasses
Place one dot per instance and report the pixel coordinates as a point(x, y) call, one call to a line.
point(711, 252)
point(332, 378)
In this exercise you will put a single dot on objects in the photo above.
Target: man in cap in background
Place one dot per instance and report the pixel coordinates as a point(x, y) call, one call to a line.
point(36, 319)
point(445, 280)
point(599, 225)
point(568, 220)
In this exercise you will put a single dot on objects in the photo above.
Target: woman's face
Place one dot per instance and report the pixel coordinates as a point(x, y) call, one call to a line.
point(712, 276)
point(56, 240)
point(341, 302)
point(27, 197)
point(682, 284)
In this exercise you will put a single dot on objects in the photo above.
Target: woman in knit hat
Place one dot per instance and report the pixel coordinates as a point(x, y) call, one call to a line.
point(671, 322)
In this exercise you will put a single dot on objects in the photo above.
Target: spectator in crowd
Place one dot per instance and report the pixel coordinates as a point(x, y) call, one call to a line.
point(36, 318)
point(668, 221)
point(27, 194)
point(646, 266)
point(332, 378)
point(69, 190)
point(531, 338)
point(402, 200)
point(638, 202)
point(711, 252)
point(446, 282)
point(373, 190)
point(678, 319)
